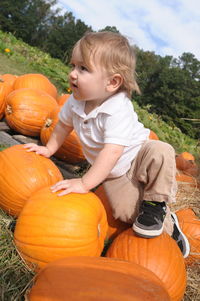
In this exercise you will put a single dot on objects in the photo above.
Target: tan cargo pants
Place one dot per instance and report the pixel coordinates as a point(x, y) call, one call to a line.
point(151, 177)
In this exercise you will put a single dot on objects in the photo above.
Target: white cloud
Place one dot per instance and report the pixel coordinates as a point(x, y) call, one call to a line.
point(168, 27)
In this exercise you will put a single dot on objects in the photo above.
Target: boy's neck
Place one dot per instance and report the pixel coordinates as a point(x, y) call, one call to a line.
point(91, 105)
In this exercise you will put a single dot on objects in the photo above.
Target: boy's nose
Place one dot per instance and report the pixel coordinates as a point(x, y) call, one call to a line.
point(73, 74)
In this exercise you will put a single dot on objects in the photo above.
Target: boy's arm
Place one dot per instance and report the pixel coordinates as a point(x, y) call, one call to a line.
point(60, 132)
point(103, 165)
point(97, 173)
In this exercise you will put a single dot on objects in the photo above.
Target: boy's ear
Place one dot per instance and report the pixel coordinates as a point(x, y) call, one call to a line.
point(114, 82)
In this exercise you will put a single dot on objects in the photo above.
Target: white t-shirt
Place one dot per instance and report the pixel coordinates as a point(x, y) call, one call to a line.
point(114, 121)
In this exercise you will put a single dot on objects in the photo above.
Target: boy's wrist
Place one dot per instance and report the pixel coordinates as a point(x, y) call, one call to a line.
point(85, 184)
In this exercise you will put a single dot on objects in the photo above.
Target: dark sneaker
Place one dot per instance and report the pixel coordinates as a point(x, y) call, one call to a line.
point(149, 222)
point(179, 237)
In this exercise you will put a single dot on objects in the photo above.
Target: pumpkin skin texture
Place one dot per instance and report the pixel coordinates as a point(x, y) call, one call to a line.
point(96, 279)
point(51, 227)
point(21, 174)
point(26, 110)
point(35, 81)
point(115, 226)
point(6, 86)
point(190, 225)
point(71, 149)
point(161, 255)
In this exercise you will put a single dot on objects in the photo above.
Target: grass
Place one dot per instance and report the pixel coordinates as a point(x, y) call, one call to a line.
point(15, 275)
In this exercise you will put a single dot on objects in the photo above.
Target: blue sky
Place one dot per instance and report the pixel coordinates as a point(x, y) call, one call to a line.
point(167, 27)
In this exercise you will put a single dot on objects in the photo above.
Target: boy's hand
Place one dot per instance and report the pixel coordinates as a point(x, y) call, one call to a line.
point(71, 185)
point(39, 150)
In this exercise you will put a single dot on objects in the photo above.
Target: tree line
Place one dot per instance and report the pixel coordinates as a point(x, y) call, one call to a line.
point(170, 86)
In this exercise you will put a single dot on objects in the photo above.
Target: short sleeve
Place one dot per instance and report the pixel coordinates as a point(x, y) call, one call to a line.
point(65, 114)
point(121, 127)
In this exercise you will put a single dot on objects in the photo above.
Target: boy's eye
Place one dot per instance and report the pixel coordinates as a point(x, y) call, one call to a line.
point(83, 68)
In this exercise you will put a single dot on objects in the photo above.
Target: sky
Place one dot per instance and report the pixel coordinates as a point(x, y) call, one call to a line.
point(167, 27)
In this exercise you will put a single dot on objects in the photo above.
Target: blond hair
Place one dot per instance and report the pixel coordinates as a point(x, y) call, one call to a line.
point(115, 54)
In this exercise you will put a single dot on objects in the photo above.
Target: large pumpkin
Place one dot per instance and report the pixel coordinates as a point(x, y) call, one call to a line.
point(21, 174)
point(115, 226)
point(51, 227)
point(96, 279)
point(35, 81)
point(71, 149)
point(161, 255)
point(26, 110)
point(190, 224)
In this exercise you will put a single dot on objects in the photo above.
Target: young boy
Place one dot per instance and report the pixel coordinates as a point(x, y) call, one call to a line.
point(138, 174)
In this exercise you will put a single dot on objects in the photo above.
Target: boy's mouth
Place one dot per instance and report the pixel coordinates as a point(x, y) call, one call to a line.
point(74, 85)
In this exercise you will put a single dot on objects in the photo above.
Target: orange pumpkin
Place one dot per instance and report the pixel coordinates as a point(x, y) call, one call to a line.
point(186, 162)
point(153, 135)
point(6, 87)
point(190, 225)
point(96, 279)
point(161, 255)
point(186, 180)
point(51, 227)
point(115, 226)
point(21, 174)
point(26, 110)
point(71, 149)
point(35, 81)
point(62, 99)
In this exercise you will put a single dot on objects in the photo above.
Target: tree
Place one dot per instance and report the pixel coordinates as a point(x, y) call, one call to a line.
point(26, 19)
point(170, 88)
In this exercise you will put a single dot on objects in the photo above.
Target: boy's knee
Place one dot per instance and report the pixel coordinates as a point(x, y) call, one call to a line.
point(156, 147)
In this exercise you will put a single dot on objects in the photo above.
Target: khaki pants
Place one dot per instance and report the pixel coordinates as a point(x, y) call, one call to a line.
point(151, 177)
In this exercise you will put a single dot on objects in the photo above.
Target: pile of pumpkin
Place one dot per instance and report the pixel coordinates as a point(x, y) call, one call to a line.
point(62, 237)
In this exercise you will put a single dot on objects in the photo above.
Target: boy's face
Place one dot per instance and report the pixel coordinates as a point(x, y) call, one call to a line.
point(88, 83)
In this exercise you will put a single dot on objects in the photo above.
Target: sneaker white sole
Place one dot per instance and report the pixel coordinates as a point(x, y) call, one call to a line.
point(147, 233)
point(187, 244)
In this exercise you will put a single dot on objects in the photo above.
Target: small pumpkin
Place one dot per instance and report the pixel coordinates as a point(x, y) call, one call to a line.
point(26, 110)
point(51, 227)
point(71, 149)
point(190, 225)
point(21, 174)
point(153, 135)
point(62, 99)
point(35, 81)
point(186, 179)
point(161, 255)
point(96, 279)
point(186, 163)
point(115, 226)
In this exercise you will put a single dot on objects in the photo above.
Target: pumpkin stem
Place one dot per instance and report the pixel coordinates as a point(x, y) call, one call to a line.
point(48, 123)
point(8, 109)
